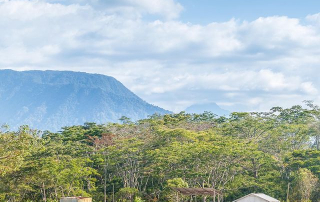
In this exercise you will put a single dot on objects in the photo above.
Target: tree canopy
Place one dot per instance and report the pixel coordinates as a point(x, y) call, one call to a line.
point(275, 152)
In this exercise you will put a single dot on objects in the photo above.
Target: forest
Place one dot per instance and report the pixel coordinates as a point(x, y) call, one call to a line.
point(275, 152)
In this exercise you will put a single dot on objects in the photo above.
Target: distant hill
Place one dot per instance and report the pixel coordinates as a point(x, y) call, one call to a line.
point(49, 100)
point(210, 107)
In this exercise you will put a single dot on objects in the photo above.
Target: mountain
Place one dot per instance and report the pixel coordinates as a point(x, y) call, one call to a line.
point(49, 100)
point(209, 107)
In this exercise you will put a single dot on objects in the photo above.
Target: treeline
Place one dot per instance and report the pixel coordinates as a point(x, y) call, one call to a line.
point(275, 152)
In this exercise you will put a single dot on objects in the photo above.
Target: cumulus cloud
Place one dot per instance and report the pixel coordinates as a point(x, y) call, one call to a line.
point(31, 10)
point(242, 65)
point(314, 17)
point(169, 9)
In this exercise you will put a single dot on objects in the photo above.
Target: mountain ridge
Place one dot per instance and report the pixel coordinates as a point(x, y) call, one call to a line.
point(49, 100)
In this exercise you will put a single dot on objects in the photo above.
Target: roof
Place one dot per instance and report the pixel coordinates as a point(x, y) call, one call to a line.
point(260, 195)
point(197, 191)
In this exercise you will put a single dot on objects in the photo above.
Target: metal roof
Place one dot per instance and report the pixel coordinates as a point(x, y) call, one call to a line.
point(266, 197)
point(260, 195)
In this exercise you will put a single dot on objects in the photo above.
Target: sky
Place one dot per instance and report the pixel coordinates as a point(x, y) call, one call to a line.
point(243, 55)
point(207, 11)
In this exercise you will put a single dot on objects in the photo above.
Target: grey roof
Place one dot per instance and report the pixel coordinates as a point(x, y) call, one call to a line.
point(261, 195)
point(266, 197)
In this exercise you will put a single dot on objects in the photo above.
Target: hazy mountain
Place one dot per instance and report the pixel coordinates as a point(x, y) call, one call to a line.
point(52, 99)
point(210, 107)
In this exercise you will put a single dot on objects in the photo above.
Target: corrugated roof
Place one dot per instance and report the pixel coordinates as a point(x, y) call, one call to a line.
point(260, 195)
point(266, 197)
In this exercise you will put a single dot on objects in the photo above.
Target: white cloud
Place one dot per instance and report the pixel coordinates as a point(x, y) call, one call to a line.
point(314, 17)
point(30, 10)
point(309, 88)
point(169, 9)
point(252, 65)
point(275, 32)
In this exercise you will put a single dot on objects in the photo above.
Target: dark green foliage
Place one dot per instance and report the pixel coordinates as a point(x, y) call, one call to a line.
point(139, 161)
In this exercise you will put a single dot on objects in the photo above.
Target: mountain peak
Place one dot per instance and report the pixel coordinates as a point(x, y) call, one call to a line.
point(209, 107)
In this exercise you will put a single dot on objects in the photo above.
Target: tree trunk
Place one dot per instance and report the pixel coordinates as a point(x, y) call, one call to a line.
point(55, 192)
point(288, 190)
point(112, 192)
point(44, 192)
point(105, 184)
point(318, 142)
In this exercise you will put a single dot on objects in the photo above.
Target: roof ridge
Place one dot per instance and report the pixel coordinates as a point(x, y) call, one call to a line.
point(267, 198)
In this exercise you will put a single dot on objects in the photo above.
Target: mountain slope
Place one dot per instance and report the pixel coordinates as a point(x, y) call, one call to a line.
point(209, 107)
point(53, 99)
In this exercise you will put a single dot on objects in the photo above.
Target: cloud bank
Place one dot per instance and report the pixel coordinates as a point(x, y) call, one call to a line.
point(241, 65)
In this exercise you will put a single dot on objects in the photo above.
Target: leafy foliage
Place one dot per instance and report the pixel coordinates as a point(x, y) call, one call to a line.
point(274, 152)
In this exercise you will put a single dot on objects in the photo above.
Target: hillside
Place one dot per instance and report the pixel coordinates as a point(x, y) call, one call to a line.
point(52, 99)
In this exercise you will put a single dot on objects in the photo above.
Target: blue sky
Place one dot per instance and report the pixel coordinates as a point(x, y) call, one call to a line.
point(206, 11)
point(243, 55)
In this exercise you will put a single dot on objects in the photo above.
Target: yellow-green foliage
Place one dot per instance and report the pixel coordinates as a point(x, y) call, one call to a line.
point(140, 161)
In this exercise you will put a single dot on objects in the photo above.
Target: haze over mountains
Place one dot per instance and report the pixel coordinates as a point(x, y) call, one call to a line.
point(49, 100)
point(209, 107)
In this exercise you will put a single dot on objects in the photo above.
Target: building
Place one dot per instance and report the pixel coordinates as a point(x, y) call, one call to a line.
point(256, 198)
point(76, 199)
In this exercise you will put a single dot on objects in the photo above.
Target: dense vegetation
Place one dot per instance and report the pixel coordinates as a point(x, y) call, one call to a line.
point(276, 153)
